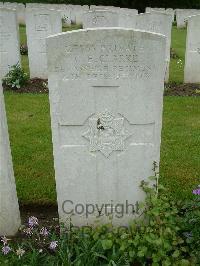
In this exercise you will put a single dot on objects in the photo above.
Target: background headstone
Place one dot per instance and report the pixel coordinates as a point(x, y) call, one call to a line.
point(192, 54)
point(40, 23)
point(106, 96)
point(100, 18)
point(9, 40)
point(159, 23)
point(183, 14)
point(20, 9)
point(9, 208)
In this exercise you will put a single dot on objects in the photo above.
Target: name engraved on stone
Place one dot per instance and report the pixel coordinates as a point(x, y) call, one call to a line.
point(106, 133)
point(106, 61)
point(42, 22)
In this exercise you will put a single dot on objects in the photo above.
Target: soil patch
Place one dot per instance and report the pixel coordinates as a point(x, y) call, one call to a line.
point(37, 85)
point(173, 89)
point(47, 215)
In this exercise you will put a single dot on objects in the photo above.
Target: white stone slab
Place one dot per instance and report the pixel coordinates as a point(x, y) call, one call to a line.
point(192, 54)
point(106, 96)
point(20, 9)
point(9, 40)
point(100, 18)
point(9, 208)
point(183, 14)
point(78, 12)
point(159, 23)
point(65, 10)
point(171, 12)
point(127, 18)
point(40, 23)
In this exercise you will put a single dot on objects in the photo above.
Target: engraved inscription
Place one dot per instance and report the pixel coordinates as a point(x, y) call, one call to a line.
point(106, 133)
point(105, 61)
point(42, 22)
point(99, 20)
point(154, 26)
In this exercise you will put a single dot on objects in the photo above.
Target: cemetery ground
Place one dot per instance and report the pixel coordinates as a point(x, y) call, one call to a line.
point(30, 136)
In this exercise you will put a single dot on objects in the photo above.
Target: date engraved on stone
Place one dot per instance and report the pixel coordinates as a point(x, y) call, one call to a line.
point(106, 133)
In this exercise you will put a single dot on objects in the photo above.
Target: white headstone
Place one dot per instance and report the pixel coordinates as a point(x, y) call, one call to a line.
point(62, 8)
point(192, 55)
point(171, 12)
point(78, 11)
point(9, 40)
point(100, 18)
point(40, 23)
point(127, 18)
point(20, 9)
point(9, 208)
point(106, 96)
point(159, 23)
point(128, 11)
point(183, 14)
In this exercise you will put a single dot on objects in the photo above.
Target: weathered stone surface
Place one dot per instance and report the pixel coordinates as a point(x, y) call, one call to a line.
point(106, 96)
point(159, 23)
point(9, 40)
point(40, 23)
point(78, 12)
point(20, 9)
point(9, 208)
point(183, 14)
point(192, 54)
point(100, 18)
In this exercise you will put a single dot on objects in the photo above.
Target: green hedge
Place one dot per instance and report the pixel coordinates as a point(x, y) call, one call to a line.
point(138, 4)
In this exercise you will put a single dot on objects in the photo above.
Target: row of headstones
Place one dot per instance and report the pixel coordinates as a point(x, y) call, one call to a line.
point(73, 13)
point(106, 98)
point(43, 23)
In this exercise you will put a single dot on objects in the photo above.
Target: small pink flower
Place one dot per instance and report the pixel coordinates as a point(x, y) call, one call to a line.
point(32, 221)
point(4, 240)
point(53, 245)
point(6, 250)
point(28, 231)
point(20, 252)
point(196, 191)
point(44, 231)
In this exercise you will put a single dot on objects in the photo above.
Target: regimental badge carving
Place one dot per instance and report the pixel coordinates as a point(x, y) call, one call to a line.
point(106, 133)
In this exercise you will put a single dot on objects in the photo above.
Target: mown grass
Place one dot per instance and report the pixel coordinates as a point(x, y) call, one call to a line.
point(178, 43)
point(30, 134)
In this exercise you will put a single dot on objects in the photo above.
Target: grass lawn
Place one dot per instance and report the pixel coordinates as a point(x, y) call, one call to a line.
point(30, 135)
point(178, 45)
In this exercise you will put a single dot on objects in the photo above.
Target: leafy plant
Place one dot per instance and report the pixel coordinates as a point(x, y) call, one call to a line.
point(190, 225)
point(154, 238)
point(16, 78)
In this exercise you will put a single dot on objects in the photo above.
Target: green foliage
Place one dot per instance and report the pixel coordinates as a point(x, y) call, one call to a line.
point(16, 78)
point(190, 225)
point(154, 238)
